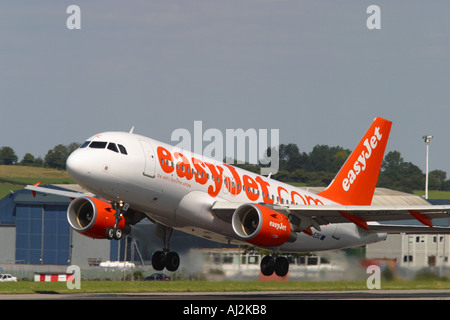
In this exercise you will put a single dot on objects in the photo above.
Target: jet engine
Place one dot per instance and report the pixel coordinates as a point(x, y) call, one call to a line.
point(262, 226)
point(91, 216)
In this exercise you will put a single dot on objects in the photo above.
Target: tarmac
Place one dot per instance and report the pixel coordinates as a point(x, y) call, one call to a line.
point(241, 296)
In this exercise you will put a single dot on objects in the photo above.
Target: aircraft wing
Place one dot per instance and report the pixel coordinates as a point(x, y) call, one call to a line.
point(56, 192)
point(306, 216)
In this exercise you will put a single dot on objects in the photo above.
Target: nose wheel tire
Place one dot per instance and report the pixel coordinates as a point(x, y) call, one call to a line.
point(117, 233)
point(113, 233)
point(109, 233)
point(168, 260)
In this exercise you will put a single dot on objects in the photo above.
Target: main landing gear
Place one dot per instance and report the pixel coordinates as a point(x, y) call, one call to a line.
point(166, 258)
point(274, 263)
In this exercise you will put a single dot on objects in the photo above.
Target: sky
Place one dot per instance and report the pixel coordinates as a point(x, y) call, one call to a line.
point(312, 69)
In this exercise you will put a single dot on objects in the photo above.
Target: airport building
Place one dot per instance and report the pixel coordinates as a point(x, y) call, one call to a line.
point(34, 231)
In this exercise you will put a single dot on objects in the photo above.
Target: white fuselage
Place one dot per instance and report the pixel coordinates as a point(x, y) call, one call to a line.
point(177, 188)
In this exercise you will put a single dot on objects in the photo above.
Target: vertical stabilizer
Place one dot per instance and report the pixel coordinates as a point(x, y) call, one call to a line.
point(355, 183)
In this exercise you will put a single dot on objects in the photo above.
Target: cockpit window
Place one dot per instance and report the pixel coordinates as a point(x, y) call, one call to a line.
point(85, 144)
point(103, 144)
point(122, 149)
point(113, 147)
point(98, 145)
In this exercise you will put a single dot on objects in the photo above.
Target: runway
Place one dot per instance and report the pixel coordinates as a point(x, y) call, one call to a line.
point(244, 296)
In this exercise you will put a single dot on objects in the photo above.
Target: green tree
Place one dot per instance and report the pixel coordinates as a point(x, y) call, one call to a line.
point(7, 156)
point(30, 161)
point(291, 158)
point(56, 157)
point(436, 180)
point(400, 175)
point(325, 158)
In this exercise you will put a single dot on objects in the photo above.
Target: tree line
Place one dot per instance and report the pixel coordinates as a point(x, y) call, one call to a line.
point(316, 168)
point(319, 167)
point(55, 158)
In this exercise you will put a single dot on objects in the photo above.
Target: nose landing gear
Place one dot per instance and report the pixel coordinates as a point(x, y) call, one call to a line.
point(116, 232)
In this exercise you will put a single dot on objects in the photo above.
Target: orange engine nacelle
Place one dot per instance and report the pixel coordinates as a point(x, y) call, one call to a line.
point(262, 226)
point(91, 216)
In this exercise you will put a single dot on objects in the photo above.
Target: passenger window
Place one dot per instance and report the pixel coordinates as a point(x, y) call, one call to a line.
point(122, 149)
point(112, 147)
point(85, 144)
point(98, 145)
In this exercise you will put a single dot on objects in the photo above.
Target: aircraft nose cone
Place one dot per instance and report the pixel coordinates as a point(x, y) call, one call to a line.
point(77, 165)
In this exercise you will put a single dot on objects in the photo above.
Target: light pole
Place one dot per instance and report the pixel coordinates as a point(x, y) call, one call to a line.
point(427, 140)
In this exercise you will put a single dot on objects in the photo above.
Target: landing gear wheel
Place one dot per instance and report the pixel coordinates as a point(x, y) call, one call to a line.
point(168, 260)
point(271, 264)
point(281, 266)
point(109, 233)
point(117, 233)
point(172, 261)
point(267, 266)
point(158, 260)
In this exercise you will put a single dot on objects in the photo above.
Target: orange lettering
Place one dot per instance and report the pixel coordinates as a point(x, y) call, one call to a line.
point(316, 201)
point(237, 180)
point(264, 189)
point(164, 156)
point(200, 174)
point(295, 193)
point(250, 183)
point(183, 167)
point(217, 174)
point(279, 193)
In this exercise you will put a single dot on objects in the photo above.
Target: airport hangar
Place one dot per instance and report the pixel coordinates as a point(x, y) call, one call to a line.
point(34, 230)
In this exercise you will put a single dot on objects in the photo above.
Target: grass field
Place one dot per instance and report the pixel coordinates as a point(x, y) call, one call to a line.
point(16, 177)
point(432, 194)
point(25, 287)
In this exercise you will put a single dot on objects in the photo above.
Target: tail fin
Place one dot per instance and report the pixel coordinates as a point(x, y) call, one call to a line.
point(355, 183)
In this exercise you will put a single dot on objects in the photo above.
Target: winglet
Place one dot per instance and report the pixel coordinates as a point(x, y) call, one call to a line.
point(355, 183)
point(37, 184)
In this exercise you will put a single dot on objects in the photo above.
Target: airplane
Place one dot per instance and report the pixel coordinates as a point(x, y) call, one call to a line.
point(132, 177)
